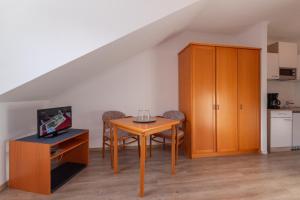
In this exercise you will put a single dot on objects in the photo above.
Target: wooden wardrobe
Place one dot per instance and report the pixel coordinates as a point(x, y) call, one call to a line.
point(219, 92)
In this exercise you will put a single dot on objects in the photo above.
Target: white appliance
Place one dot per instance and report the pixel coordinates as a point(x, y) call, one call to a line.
point(281, 129)
point(296, 130)
point(287, 73)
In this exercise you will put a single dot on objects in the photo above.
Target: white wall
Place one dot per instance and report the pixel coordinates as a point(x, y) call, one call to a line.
point(297, 94)
point(137, 83)
point(16, 119)
point(147, 80)
point(39, 36)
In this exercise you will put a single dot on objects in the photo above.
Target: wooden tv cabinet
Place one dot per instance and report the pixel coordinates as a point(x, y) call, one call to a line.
point(35, 167)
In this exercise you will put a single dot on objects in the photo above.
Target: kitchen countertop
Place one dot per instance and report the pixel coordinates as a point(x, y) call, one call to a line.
point(294, 109)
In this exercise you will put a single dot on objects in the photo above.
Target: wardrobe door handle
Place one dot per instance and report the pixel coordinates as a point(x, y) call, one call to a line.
point(241, 107)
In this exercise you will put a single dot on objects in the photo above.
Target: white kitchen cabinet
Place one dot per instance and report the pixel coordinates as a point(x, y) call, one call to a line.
point(273, 66)
point(296, 129)
point(281, 129)
point(298, 68)
point(287, 53)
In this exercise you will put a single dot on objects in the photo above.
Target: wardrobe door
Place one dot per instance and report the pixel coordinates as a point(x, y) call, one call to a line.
point(185, 95)
point(203, 137)
point(226, 98)
point(249, 99)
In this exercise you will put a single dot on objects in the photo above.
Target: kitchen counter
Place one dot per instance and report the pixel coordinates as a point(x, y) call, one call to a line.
point(294, 109)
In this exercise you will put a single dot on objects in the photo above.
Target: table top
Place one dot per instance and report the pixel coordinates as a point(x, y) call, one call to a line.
point(159, 125)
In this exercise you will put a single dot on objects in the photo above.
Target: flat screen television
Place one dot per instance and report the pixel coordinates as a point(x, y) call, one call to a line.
point(54, 121)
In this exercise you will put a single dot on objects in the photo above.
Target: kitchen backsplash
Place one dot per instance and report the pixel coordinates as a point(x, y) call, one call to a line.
point(288, 91)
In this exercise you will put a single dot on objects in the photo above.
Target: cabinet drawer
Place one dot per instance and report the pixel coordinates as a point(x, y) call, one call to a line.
point(282, 113)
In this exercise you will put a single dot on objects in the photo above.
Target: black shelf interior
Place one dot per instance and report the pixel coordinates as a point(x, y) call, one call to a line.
point(63, 173)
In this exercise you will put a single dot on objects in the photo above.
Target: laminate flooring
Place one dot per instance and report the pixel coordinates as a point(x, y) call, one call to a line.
point(247, 177)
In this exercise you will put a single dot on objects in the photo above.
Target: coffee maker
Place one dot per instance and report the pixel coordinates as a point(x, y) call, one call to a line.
point(273, 101)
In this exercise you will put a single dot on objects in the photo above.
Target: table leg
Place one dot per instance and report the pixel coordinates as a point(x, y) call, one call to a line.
point(173, 149)
point(115, 138)
point(142, 164)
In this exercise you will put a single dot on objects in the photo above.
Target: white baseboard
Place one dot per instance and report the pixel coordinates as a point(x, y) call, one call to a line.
point(264, 152)
point(280, 149)
point(3, 186)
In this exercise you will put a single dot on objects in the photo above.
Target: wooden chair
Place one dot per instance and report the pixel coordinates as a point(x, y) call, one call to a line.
point(107, 134)
point(162, 137)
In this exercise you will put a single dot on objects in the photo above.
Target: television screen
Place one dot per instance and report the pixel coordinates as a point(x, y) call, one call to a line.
point(53, 120)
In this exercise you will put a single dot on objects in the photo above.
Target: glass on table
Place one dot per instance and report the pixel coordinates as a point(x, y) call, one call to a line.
point(146, 115)
point(140, 115)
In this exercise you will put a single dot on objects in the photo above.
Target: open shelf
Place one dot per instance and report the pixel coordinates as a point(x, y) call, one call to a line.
point(67, 146)
point(63, 173)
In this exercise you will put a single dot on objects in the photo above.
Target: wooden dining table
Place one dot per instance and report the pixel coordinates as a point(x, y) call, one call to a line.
point(143, 130)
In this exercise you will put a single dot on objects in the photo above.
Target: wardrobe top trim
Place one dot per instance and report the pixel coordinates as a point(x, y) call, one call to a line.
point(218, 45)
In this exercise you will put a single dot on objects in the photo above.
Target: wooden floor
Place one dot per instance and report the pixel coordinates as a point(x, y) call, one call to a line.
point(276, 176)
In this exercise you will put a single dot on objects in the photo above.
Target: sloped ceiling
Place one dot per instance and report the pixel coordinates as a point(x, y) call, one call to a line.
point(216, 16)
point(87, 66)
point(232, 16)
point(39, 36)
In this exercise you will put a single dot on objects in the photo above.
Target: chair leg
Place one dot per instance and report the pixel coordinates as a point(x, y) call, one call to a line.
point(103, 147)
point(139, 146)
point(150, 146)
point(176, 147)
point(111, 152)
point(176, 151)
point(183, 146)
point(164, 143)
point(124, 144)
point(103, 142)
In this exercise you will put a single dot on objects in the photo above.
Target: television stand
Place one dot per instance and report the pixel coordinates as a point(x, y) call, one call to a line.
point(35, 167)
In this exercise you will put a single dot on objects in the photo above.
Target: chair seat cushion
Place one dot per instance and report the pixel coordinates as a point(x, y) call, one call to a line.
point(168, 133)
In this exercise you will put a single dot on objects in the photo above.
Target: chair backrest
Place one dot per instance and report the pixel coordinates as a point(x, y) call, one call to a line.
point(174, 114)
point(108, 115)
